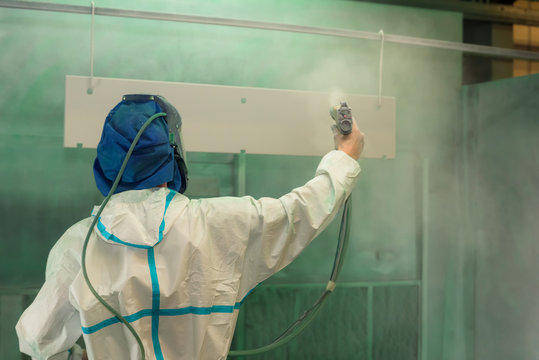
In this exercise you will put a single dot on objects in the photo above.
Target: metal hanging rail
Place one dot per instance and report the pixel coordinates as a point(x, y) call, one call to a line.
point(353, 34)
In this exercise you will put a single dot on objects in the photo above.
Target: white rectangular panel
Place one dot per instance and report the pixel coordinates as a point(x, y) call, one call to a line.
point(231, 118)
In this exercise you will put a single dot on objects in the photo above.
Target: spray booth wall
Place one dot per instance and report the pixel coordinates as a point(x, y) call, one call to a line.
point(500, 125)
point(404, 212)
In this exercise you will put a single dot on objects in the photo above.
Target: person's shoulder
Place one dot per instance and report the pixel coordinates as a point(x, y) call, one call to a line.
point(79, 228)
point(66, 251)
point(73, 237)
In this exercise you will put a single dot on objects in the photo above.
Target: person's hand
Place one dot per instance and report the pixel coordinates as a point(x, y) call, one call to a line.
point(352, 144)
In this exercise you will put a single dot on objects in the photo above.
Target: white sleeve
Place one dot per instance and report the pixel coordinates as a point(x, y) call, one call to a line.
point(282, 228)
point(50, 326)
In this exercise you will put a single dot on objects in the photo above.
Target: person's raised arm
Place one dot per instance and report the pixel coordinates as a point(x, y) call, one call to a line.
point(282, 228)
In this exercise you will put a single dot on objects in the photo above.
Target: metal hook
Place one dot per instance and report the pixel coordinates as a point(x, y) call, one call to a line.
point(91, 87)
point(381, 33)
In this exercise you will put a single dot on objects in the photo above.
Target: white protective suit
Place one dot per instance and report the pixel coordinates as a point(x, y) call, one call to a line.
point(177, 269)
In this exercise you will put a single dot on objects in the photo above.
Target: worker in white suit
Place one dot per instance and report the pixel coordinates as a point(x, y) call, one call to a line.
point(177, 269)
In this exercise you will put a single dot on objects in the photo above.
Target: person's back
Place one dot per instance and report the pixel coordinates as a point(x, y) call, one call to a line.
point(177, 269)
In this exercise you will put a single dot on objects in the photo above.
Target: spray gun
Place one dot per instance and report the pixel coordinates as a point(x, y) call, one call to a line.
point(343, 118)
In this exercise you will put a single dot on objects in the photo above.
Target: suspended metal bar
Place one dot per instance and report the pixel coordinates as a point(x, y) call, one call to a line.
point(483, 11)
point(352, 34)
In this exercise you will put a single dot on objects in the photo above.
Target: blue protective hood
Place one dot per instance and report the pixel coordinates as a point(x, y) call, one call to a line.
point(152, 161)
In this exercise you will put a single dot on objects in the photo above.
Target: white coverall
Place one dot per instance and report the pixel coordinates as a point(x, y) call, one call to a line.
point(177, 269)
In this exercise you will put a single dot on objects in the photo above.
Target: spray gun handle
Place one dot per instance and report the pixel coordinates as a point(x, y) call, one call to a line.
point(342, 115)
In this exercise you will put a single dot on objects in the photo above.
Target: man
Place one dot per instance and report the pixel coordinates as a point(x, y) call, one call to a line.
point(177, 269)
